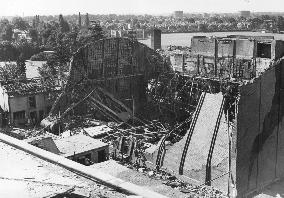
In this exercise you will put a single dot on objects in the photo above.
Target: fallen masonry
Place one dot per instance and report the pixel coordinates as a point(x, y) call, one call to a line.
point(214, 123)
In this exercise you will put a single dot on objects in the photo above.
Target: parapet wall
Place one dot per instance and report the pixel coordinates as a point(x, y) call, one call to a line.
point(238, 47)
point(237, 57)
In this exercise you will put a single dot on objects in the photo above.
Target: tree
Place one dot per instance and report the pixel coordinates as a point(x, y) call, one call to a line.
point(19, 23)
point(21, 65)
point(231, 20)
point(202, 27)
point(26, 49)
point(9, 71)
point(280, 23)
point(45, 34)
point(87, 20)
point(92, 34)
point(6, 30)
point(70, 41)
point(8, 52)
point(33, 34)
point(190, 20)
point(48, 73)
point(3, 23)
point(7, 33)
point(256, 23)
point(42, 56)
point(63, 25)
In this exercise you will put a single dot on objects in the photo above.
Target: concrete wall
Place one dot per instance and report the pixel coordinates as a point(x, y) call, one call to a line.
point(230, 58)
point(226, 67)
point(277, 49)
point(226, 48)
point(203, 46)
point(260, 139)
point(245, 49)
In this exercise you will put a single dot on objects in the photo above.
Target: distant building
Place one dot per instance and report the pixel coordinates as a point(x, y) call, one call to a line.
point(255, 52)
point(178, 14)
point(136, 33)
point(156, 39)
point(245, 13)
point(79, 20)
point(87, 20)
point(21, 34)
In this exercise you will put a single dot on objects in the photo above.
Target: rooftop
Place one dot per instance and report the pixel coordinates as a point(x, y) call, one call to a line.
point(26, 87)
point(77, 144)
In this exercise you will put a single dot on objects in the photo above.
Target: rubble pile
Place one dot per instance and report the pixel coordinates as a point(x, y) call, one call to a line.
point(190, 191)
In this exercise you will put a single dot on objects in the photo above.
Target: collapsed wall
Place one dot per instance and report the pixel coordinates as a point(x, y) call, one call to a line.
point(120, 66)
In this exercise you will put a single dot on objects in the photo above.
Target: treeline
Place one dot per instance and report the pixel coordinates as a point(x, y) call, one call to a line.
point(22, 40)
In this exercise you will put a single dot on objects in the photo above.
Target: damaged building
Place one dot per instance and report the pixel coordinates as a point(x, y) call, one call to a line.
point(240, 102)
point(25, 101)
point(233, 84)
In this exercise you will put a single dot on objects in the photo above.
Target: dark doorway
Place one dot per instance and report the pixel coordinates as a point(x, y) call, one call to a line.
point(41, 114)
point(263, 50)
point(101, 156)
point(33, 117)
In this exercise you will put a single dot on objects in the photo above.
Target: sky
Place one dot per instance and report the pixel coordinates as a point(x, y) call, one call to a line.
point(156, 7)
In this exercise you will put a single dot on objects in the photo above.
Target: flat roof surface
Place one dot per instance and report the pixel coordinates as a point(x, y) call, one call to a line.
point(27, 176)
point(77, 144)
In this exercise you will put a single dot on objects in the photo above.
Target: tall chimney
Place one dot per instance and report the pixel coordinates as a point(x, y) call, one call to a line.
point(79, 21)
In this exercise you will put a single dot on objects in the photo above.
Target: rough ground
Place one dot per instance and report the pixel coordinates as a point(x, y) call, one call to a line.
point(28, 176)
point(159, 182)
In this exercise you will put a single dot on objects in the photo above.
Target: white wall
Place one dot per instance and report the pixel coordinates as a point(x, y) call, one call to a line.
point(4, 99)
point(21, 103)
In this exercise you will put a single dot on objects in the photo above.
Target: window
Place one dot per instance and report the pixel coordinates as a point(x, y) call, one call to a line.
point(32, 101)
point(19, 115)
